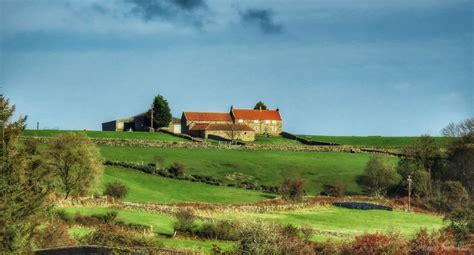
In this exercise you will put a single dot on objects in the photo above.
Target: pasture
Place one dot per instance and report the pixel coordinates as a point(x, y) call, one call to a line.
point(261, 167)
point(372, 141)
point(152, 188)
point(327, 221)
point(158, 136)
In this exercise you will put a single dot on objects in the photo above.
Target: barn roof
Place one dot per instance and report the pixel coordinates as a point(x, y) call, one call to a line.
point(207, 116)
point(247, 114)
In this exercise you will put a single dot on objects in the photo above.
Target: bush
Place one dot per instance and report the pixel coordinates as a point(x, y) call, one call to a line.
point(113, 236)
point(54, 234)
point(426, 243)
point(292, 189)
point(176, 169)
point(461, 223)
point(223, 230)
point(337, 189)
point(116, 190)
point(378, 244)
point(362, 206)
point(185, 221)
point(64, 216)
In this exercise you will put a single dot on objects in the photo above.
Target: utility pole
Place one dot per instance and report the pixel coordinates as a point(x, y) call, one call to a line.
point(37, 126)
point(151, 124)
point(409, 191)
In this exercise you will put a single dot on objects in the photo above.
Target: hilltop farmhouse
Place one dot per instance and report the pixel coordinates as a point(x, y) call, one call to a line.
point(237, 124)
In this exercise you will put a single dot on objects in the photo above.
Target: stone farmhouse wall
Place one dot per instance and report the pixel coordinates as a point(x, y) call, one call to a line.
point(271, 127)
point(237, 135)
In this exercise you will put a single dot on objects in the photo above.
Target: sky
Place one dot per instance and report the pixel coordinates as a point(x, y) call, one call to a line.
point(348, 67)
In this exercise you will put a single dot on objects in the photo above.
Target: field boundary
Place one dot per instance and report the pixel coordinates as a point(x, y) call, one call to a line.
point(305, 141)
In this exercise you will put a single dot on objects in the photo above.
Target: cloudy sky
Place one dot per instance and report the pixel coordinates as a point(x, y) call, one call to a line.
point(349, 67)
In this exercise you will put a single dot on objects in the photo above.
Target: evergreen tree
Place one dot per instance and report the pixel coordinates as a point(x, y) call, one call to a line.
point(25, 184)
point(260, 106)
point(161, 113)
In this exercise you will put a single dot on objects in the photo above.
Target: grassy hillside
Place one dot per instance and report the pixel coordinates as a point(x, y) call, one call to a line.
point(275, 140)
point(110, 134)
point(371, 141)
point(331, 220)
point(262, 167)
point(349, 221)
point(151, 188)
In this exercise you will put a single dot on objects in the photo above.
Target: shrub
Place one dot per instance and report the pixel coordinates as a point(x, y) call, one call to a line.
point(292, 189)
point(378, 244)
point(461, 223)
point(185, 221)
point(64, 216)
point(54, 234)
point(113, 236)
point(176, 169)
point(116, 190)
point(337, 189)
point(223, 230)
point(426, 243)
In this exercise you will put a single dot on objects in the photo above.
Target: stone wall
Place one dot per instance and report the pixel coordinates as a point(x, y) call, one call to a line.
point(271, 127)
point(231, 135)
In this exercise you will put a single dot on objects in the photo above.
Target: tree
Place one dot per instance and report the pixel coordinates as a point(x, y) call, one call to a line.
point(260, 106)
point(379, 175)
point(161, 113)
point(75, 161)
point(421, 183)
point(116, 190)
point(25, 185)
point(292, 189)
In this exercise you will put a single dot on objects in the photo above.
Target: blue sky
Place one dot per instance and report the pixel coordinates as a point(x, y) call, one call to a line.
point(366, 67)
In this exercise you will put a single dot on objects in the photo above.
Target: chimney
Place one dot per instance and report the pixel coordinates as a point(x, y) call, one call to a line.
point(260, 108)
point(277, 109)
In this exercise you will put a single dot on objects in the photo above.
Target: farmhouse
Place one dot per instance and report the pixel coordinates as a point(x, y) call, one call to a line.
point(238, 124)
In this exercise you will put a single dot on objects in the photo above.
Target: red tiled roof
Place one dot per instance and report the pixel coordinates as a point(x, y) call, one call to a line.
point(246, 114)
point(199, 127)
point(229, 127)
point(207, 116)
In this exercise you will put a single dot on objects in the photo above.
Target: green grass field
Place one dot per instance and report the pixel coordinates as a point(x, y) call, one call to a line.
point(372, 141)
point(262, 167)
point(152, 188)
point(274, 140)
point(329, 219)
point(159, 136)
point(349, 221)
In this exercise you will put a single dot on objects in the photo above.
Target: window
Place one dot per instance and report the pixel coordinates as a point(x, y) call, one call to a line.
point(274, 121)
point(267, 122)
point(240, 121)
point(256, 128)
point(274, 129)
point(255, 121)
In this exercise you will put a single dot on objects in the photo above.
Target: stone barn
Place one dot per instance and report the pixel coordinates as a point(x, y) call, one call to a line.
point(134, 123)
